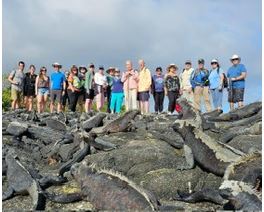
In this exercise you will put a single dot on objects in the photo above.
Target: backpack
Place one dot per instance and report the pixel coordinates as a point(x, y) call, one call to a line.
point(225, 80)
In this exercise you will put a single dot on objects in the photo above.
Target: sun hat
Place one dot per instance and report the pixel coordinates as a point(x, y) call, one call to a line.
point(235, 56)
point(214, 61)
point(172, 65)
point(56, 64)
point(110, 69)
point(188, 62)
point(117, 70)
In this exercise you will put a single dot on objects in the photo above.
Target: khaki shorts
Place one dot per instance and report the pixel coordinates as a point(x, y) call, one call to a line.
point(16, 95)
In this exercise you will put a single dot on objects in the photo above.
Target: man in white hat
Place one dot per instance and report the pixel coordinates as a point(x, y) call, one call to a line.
point(185, 81)
point(237, 74)
point(58, 87)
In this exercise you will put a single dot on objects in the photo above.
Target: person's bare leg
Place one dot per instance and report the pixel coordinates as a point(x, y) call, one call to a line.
point(86, 106)
point(13, 105)
point(231, 106)
point(51, 107)
point(25, 100)
point(59, 107)
point(146, 105)
point(30, 103)
point(39, 101)
point(17, 104)
point(44, 103)
point(141, 107)
point(90, 104)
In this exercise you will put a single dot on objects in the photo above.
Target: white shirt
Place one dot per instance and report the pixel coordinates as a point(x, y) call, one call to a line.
point(100, 79)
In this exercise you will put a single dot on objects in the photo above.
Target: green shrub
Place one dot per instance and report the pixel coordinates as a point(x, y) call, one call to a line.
point(6, 99)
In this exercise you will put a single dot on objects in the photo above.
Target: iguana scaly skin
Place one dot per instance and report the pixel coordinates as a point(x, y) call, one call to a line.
point(208, 153)
point(108, 190)
point(20, 181)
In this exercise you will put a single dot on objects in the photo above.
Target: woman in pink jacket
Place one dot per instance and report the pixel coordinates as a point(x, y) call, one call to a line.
point(130, 80)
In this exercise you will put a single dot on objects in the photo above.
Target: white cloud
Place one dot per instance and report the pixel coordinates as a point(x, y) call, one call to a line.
point(110, 31)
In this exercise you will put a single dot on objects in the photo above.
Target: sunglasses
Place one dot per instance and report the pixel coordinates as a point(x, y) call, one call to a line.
point(213, 63)
point(43, 69)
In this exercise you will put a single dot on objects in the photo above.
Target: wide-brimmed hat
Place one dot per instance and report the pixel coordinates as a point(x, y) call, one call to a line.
point(214, 61)
point(172, 65)
point(188, 62)
point(110, 69)
point(117, 70)
point(82, 67)
point(56, 64)
point(235, 56)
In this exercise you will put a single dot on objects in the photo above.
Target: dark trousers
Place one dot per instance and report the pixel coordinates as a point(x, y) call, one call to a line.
point(65, 99)
point(73, 96)
point(172, 95)
point(158, 98)
point(108, 95)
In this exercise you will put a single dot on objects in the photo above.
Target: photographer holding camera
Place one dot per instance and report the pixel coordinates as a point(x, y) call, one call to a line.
point(200, 85)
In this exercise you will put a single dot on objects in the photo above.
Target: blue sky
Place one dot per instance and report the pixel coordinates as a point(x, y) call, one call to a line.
point(109, 32)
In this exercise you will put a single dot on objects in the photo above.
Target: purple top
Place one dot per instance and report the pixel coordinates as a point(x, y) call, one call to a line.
point(117, 86)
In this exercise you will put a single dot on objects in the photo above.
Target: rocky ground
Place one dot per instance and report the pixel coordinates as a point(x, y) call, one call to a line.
point(146, 149)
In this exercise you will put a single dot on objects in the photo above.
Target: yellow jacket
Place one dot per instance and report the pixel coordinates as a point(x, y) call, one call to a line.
point(145, 80)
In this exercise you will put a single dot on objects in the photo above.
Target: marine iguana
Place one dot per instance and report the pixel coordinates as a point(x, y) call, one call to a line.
point(94, 121)
point(247, 169)
point(20, 181)
point(120, 124)
point(107, 190)
point(233, 195)
point(209, 154)
point(239, 113)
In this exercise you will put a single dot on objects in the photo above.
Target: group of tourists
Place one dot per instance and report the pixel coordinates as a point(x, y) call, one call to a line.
point(81, 85)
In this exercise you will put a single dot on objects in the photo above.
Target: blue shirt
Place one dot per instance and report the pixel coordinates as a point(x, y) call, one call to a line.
point(215, 78)
point(236, 71)
point(57, 79)
point(117, 86)
point(158, 83)
point(199, 77)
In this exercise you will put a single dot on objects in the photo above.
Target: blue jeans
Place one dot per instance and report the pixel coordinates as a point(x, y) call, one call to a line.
point(116, 102)
point(217, 97)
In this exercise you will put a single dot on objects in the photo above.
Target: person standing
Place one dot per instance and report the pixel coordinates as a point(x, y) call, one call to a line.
point(117, 93)
point(172, 87)
point(216, 79)
point(81, 98)
point(158, 90)
point(185, 80)
point(200, 84)
point(73, 89)
point(130, 80)
point(58, 87)
point(65, 97)
point(29, 87)
point(144, 86)
point(237, 74)
point(109, 76)
point(42, 87)
point(101, 85)
point(89, 86)
point(16, 78)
